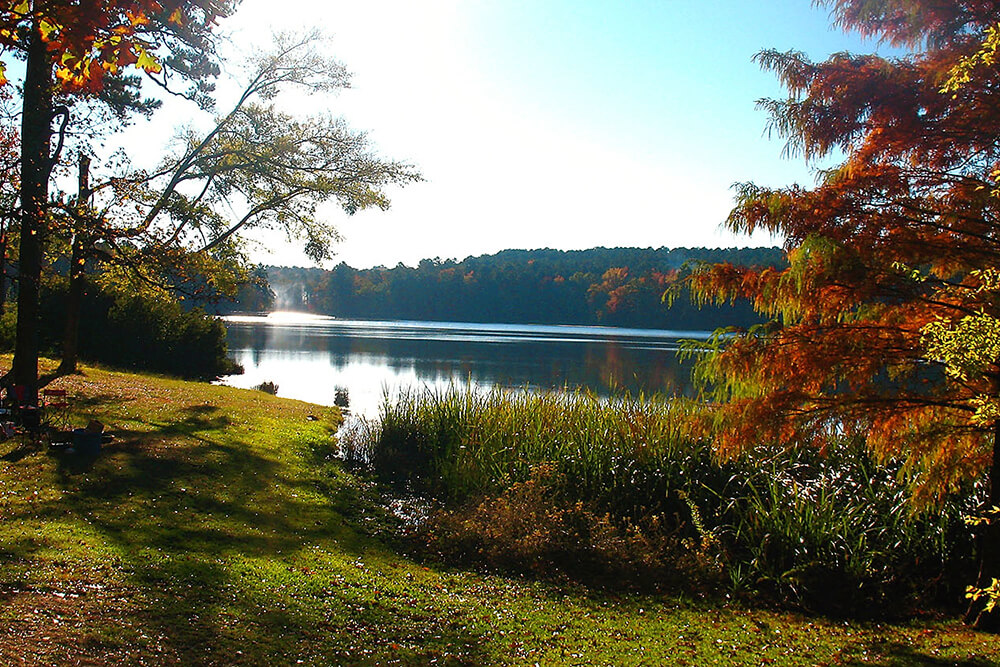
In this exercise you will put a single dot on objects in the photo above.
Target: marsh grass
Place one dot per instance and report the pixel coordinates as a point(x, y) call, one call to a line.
point(624, 488)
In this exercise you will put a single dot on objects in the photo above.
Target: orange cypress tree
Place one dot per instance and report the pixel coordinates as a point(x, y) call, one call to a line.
point(74, 48)
point(886, 323)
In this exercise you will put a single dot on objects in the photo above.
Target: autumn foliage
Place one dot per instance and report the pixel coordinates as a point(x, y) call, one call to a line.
point(90, 39)
point(886, 323)
point(890, 253)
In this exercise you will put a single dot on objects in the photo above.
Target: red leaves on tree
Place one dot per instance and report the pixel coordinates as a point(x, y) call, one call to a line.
point(889, 242)
point(90, 38)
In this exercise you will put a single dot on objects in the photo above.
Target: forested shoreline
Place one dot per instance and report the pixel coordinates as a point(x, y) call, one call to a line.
point(600, 286)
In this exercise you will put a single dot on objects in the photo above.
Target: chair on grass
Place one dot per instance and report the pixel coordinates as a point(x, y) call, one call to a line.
point(25, 417)
point(35, 422)
point(55, 408)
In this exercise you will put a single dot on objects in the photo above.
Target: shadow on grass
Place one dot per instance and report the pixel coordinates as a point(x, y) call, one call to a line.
point(23, 449)
point(220, 541)
point(897, 654)
point(91, 401)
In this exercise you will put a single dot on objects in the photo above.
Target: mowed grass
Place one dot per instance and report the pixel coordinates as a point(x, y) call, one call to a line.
point(216, 529)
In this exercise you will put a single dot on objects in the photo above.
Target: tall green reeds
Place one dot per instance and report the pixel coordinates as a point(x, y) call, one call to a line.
point(829, 530)
point(455, 444)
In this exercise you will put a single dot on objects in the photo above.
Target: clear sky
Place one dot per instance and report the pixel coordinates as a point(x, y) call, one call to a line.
point(552, 123)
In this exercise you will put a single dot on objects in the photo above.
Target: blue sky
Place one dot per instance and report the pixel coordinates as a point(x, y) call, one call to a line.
point(553, 123)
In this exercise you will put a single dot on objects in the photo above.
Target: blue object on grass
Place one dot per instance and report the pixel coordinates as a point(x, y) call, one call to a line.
point(85, 442)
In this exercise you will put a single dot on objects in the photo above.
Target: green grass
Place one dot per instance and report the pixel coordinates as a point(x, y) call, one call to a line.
point(215, 529)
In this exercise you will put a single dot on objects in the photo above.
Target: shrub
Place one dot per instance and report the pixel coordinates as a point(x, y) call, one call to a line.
point(8, 326)
point(150, 333)
point(530, 527)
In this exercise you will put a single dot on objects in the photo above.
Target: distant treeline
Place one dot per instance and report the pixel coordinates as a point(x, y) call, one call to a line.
point(604, 286)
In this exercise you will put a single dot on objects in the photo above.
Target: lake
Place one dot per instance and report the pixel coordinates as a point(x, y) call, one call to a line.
point(332, 361)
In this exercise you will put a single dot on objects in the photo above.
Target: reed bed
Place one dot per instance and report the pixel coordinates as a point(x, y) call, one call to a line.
point(829, 530)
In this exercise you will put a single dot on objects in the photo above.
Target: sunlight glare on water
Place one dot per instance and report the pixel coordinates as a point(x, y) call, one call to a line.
point(280, 317)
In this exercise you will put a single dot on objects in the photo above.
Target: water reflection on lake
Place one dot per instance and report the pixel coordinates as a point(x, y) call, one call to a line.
point(314, 358)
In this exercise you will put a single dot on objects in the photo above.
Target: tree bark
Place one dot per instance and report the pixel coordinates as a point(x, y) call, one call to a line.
point(36, 134)
point(74, 298)
point(4, 232)
point(989, 549)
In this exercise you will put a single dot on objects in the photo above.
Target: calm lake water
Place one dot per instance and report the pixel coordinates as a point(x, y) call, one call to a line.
point(317, 359)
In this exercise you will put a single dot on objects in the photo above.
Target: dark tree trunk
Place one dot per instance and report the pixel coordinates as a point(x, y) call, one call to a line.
point(74, 300)
point(989, 549)
point(4, 231)
point(36, 134)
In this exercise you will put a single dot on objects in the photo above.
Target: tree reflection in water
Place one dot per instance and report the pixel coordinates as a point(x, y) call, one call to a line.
point(355, 363)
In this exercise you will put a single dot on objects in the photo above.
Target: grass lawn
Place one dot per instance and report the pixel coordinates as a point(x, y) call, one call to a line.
point(215, 529)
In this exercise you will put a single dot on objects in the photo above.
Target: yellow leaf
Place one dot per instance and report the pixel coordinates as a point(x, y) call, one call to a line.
point(148, 62)
point(177, 17)
point(46, 27)
point(22, 8)
point(3, 74)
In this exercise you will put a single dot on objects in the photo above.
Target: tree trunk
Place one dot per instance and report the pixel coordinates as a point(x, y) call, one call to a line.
point(74, 299)
point(36, 134)
point(989, 549)
point(4, 231)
